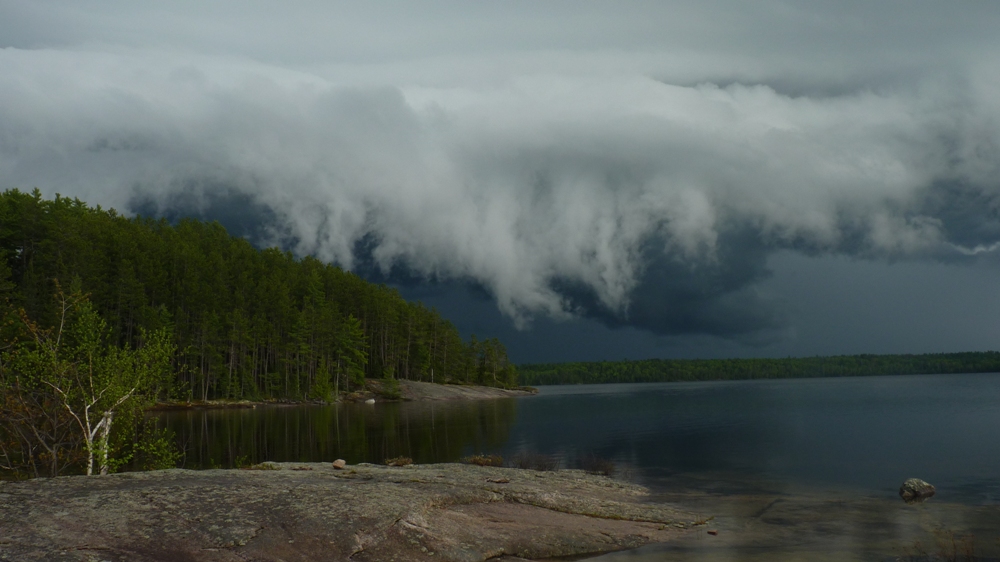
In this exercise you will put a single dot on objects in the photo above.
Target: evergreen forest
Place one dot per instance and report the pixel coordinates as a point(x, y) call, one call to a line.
point(677, 370)
point(245, 323)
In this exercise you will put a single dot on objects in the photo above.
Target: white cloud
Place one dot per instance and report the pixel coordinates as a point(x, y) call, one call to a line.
point(504, 158)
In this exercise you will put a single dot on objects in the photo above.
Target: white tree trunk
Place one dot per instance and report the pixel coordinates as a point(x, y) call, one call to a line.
point(105, 446)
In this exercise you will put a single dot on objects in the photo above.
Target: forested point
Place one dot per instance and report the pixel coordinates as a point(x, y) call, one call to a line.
point(246, 323)
point(102, 315)
point(679, 370)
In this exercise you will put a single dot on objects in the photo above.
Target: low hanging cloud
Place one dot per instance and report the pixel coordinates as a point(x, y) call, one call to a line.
point(625, 197)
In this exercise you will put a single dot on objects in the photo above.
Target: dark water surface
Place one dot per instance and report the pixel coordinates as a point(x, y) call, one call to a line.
point(794, 469)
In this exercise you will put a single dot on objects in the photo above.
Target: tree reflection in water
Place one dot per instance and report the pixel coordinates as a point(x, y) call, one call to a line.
point(424, 431)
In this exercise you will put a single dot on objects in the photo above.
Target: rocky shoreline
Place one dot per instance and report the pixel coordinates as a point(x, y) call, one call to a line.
point(409, 391)
point(299, 512)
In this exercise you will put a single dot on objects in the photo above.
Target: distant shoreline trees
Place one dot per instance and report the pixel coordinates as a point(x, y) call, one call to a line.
point(680, 370)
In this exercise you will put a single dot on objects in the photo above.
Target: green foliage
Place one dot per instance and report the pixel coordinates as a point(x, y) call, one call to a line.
point(245, 323)
point(322, 389)
point(390, 386)
point(353, 351)
point(490, 364)
point(155, 448)
point(71, 395)
point(667, 370)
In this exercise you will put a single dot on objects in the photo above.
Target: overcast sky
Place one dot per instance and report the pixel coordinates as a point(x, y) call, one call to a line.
point(586, 180)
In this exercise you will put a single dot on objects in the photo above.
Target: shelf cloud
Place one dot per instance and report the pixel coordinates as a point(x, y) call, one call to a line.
point(570, 171)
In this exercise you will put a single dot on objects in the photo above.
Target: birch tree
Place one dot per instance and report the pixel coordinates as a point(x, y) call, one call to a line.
point(92, 381)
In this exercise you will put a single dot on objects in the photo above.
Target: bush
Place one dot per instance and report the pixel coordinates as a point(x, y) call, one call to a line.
point(484, 460)
point(156, 448)
point(322, 389)
point(390, 386)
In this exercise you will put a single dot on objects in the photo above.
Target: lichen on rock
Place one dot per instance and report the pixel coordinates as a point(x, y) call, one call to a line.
point(450, 512)
point(915, 490)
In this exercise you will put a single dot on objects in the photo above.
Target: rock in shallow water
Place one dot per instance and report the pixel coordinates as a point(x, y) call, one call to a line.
point(416, 513)
point(915, 490)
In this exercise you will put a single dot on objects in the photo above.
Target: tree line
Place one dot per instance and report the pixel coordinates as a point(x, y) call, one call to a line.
point(677, 370)
point(189, 312)
point(247, 323)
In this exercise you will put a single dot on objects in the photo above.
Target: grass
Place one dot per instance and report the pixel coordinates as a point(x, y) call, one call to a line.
point(399, 461)
point(484, 460)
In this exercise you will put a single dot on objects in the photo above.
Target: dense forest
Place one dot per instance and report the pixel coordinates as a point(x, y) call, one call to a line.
point(246, 323)
point(668, 370)
point(101, 315)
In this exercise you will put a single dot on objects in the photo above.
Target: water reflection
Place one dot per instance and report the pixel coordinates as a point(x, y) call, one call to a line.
point(792, 470)
point(796, 470)
point(424, 431)
point(867, 434)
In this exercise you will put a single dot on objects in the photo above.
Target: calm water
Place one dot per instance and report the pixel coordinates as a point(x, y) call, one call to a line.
point(768, 458)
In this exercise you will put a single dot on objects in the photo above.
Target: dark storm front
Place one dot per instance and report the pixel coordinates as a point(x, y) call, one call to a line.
point(864, 434)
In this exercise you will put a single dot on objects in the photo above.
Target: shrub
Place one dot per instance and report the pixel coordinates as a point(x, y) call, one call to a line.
point(399, 461)
point(156, 448)
point(322, 389)
point(484, 460)
point(390, 386)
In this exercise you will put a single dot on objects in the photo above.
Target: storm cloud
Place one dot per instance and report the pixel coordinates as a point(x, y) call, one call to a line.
point(639, 166)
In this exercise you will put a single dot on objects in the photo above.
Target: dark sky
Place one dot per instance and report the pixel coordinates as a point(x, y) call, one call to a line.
point(585, 180)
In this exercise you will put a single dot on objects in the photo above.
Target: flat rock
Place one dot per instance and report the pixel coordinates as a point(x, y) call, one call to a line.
point(421, 391)
point(300, 512)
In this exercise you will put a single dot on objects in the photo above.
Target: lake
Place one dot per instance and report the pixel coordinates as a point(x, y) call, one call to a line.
point(791, 468)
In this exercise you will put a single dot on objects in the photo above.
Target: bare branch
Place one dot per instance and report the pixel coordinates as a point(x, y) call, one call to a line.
point(67, 405)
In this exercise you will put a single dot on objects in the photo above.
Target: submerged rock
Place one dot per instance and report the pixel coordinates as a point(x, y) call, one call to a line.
point(300, 512)
point(915, 490)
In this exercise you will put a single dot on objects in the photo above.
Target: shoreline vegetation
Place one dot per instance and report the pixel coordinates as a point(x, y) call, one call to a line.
point(103, 316)
point(245, 323)
point(691, 370)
